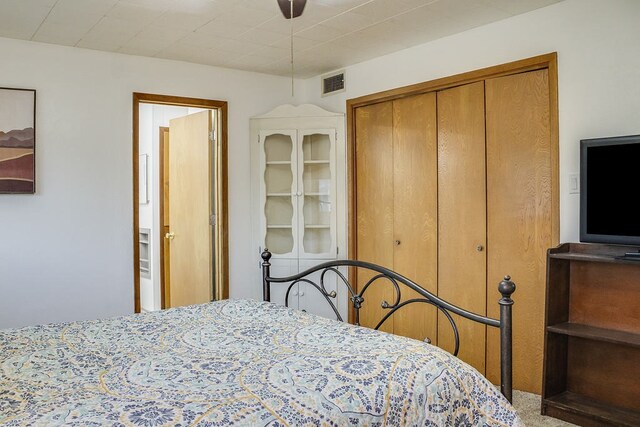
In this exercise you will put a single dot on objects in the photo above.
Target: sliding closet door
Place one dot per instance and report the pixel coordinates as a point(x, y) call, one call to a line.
point(519, 161)
point(462, 217)
point(374, 205)
point(415, 204)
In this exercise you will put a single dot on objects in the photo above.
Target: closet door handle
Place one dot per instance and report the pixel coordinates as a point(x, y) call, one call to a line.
point(398, 242)
point(479, 248)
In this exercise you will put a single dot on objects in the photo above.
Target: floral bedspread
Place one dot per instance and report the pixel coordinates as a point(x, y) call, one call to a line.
point(235, 362)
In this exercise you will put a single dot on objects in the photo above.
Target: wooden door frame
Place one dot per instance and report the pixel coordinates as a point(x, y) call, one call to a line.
point(547, 61)
point(164, 290)
point(221, 228)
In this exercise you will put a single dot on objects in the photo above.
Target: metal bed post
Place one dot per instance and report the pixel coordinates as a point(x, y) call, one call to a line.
point(506, 288)
point(266, 272)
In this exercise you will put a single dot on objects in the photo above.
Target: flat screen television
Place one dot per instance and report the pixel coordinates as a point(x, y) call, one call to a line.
point(610, 190)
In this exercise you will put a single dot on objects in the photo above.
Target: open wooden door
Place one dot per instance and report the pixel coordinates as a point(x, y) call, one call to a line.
point(190, 210)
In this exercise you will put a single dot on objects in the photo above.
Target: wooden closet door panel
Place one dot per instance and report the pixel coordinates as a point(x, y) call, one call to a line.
point(519, 206)
point(462, 263)
point(374, 205)
point(415, 201)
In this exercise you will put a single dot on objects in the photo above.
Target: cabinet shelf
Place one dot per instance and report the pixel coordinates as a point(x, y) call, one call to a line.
point(279, 226)
point(315, 194)
point(593, 409)
point(596, 334)
point(316, 162)
point(317, 226)
point(278, 162)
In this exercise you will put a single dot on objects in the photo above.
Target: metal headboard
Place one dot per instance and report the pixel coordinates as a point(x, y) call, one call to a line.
point(506, 289)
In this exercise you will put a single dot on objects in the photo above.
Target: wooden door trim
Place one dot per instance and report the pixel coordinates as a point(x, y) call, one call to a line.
point(520, 66)
point(164, 290)
point(547, 61)
point(222, 209)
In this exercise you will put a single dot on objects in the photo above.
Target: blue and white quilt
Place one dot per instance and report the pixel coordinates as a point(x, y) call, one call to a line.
point(236, 362)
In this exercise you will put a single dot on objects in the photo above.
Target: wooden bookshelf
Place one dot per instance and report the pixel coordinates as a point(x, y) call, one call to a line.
point(592, 335)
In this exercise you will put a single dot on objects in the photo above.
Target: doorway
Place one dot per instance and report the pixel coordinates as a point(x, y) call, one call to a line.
point(180, 238)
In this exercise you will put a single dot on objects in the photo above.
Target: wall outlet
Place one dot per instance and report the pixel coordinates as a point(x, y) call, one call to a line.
point(574, 183)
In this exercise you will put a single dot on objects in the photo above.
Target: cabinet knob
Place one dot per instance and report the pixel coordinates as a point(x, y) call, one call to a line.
point(479, 248)
point(398, 242)
point(169, 236)
point(302, 293)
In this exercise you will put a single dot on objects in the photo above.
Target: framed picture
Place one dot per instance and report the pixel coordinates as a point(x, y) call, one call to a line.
point(17, 141)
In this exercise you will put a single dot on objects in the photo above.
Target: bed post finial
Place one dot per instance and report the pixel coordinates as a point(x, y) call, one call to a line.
point(266, 272)
point(506, 288)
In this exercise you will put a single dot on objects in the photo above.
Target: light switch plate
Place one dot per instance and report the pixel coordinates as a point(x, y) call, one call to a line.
point(574, 183)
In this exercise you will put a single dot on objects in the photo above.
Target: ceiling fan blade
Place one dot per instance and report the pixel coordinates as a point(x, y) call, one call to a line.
point(298, 7)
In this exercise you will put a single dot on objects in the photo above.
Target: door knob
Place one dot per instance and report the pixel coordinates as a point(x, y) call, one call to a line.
point(398, 242)
point(169, 236)
point(479, 248)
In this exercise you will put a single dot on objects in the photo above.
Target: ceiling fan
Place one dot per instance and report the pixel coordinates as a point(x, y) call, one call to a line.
point(292, 9)
point(287, 6)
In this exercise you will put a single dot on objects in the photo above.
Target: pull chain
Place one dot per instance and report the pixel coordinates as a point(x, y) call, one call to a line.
point(291, 18)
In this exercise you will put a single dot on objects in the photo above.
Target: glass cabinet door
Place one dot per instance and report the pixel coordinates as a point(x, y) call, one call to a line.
point(279, 197)
point(317, 193)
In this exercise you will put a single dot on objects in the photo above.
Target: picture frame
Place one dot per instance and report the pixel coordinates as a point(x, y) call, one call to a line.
point(17, 141)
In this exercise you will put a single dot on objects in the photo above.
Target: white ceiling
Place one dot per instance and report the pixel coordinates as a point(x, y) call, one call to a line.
point(251, 34)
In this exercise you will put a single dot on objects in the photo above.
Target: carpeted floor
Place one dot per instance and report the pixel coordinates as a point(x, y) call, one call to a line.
point(528, 407)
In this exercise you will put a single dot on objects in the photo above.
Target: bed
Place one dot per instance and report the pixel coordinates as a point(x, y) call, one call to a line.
point(239, 362)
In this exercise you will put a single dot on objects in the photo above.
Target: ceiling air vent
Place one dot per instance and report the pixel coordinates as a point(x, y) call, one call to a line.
point(333, 83)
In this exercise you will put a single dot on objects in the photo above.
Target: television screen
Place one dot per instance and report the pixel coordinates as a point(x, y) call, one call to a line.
point(610, 190)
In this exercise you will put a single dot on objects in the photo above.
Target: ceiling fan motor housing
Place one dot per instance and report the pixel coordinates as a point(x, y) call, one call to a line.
point(298, 7)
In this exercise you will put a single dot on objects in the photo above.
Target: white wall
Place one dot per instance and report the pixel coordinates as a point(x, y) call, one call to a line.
point(66, 253)
point(598, 45)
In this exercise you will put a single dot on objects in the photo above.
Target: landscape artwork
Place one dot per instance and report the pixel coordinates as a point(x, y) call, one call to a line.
point(17, 141)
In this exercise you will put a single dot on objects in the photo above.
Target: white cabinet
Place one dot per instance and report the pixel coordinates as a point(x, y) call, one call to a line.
point(298, 194)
